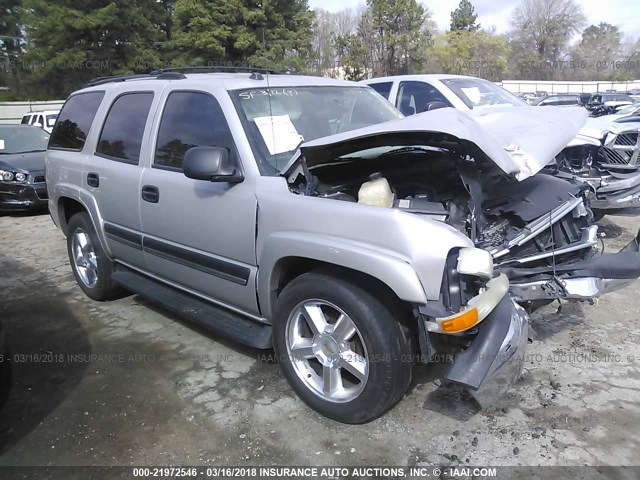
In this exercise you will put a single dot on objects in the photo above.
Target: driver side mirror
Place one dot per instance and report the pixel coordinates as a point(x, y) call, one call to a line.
point(37, 124)
point(213, 164)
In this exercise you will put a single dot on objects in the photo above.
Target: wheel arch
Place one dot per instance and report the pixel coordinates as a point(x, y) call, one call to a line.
point(67, 208)
point(283, 260)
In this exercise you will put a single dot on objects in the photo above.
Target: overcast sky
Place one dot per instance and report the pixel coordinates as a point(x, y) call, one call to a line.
point(623, 13)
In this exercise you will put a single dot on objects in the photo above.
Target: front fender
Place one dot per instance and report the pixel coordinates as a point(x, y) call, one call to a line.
point(388, 267)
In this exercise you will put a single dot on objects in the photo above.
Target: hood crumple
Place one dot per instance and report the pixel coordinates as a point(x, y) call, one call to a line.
point(519, 140)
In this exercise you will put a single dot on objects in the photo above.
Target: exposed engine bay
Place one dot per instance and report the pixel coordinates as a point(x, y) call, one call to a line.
point(508, 218)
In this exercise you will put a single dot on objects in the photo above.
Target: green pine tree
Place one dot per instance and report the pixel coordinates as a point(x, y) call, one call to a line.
point(72, 41)
point(464, 17)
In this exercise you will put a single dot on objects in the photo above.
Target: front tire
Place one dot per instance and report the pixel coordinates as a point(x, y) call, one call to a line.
point(340, 348)
point(90, 264)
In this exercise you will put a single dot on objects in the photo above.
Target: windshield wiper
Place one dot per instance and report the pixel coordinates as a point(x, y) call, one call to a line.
point(30, 151)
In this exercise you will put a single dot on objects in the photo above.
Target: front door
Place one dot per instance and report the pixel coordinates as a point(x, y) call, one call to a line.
point(198, 234)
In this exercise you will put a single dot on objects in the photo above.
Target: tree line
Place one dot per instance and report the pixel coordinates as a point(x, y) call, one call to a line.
point(48, 48)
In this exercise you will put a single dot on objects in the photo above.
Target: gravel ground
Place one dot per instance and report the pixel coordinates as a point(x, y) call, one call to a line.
point(127, 383)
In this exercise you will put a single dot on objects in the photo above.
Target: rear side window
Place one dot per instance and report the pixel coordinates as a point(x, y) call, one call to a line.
point(383, 88)
point(74, 121)
point(190, 119)
point(25, 119)
point(51, 120)
point(121, 137)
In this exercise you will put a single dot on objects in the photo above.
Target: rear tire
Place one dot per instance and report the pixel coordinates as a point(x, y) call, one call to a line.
point(341, 349)
point(90, 264)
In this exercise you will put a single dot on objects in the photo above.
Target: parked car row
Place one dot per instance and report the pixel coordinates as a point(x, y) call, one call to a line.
point(598, 104)
point(310, 216)
point(608, 103)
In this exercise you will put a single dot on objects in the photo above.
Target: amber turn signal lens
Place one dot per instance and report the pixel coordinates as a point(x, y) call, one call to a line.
point(463, 321)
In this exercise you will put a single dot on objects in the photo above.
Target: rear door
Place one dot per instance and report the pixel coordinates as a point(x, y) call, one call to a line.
point(199, 235)
point(111, 175)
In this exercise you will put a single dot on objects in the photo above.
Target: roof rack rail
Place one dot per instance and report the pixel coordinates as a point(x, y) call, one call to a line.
point(141, 76)
point(216, 68)
point(175, 73)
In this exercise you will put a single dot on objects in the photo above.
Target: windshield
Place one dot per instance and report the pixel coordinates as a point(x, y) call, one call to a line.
point(277, 120)
point(21, 139)
point(629, 110)
point(475, 92)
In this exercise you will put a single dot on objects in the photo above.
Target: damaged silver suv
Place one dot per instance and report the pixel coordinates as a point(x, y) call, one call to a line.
point(306, 215)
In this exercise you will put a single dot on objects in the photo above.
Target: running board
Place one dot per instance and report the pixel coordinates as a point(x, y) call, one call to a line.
point(216, 319)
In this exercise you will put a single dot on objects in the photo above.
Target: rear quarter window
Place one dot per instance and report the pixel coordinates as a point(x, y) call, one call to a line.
point(383, 88)
point(74, 121)
point(121, 137)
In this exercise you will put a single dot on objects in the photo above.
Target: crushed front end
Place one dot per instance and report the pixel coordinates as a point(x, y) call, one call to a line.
point(583, 279)
point(542, 237)
point(480, 176)
point(484, 349)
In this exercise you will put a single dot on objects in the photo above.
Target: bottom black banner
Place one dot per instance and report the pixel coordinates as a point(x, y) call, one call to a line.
point(416, 472)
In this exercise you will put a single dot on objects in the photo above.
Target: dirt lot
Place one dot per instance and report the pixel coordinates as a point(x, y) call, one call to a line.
point(131, 384)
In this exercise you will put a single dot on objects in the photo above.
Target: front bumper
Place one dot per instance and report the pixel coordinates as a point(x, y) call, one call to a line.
point(619, 193)
point(494, 361)
point(580, 281)
point(16, 197)
point(615, 200)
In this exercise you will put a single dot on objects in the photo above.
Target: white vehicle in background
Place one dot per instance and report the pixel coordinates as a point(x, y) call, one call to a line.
point(413, 94)
point(44, 119)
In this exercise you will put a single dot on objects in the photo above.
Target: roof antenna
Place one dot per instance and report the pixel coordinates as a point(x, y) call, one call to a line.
point(273, 130)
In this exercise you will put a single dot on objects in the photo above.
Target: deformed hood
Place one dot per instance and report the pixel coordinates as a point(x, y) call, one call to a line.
point(519, 140)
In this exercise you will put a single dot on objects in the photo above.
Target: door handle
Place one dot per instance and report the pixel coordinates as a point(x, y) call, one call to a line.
point(150, 194)
point(93, 179)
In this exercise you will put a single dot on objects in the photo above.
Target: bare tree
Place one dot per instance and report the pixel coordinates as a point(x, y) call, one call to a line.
point(541, 33)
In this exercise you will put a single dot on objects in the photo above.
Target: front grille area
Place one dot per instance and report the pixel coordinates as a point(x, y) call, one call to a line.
point(630, 139)
point(622, 149)
point(616, 157)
